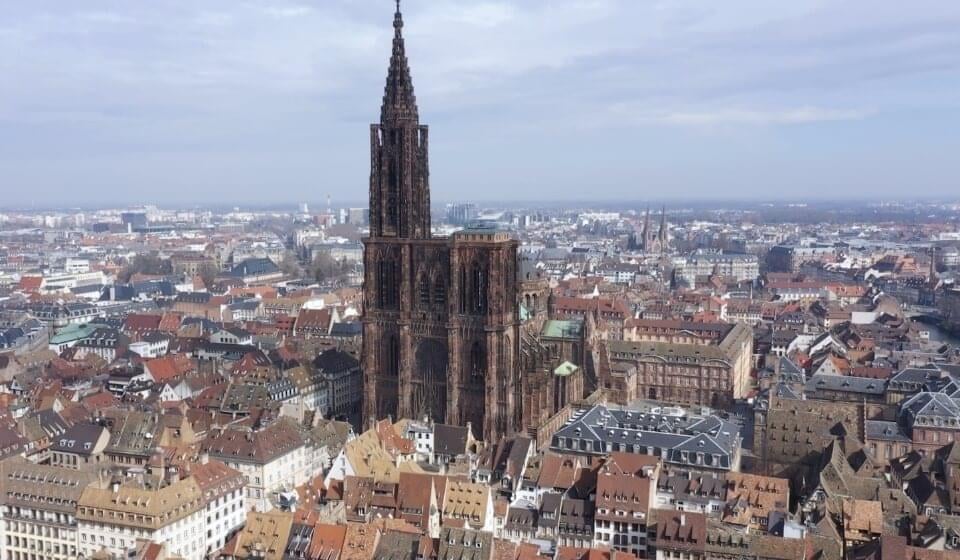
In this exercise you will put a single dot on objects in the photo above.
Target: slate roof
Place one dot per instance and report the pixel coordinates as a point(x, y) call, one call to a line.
point(397, 545)
point(598, 429)
point(346, 329)
point(576, 517)
point(449, 440)
point(465, 544)
point(550, 511)
point(787, 367)
point(690, 487)
point(335, 361)
point(884, 430)
point(253, 267)
point(912, 379)
point(845, 383)
point(931, 407)
point(194, 297)
point(79, 439)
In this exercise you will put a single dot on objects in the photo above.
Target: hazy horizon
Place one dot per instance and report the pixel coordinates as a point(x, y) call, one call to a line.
point(260, 102)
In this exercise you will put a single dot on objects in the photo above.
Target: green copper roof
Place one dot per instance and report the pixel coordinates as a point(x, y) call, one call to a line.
point(524, 314)
point(565, 369)
point(562, 329)
point(71, 333)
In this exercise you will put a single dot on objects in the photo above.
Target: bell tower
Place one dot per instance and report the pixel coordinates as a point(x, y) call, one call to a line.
point(399, 168)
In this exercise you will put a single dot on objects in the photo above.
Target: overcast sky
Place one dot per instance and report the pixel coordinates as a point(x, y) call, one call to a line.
point(199, 101)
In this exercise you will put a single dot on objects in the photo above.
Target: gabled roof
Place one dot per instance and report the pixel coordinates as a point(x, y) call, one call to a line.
point(335, 361)
point(931, 406)
point(845, 383)
point(79, 439)
point(253, 267)
point(450, 440)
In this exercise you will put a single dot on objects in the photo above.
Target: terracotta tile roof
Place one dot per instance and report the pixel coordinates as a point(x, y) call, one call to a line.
point(313, 319)
point(681, 531)
point(863, 516)
point(135, 322)
point(168, 368)
point(595, 553)
point(327, 541)
point(98, 401)
point(360, 541)
point(260, 446)
point(392, 441)
point(622, 493)
point(415, 495)
point(215, 478)
point(466, 501)
point(30, 283)
point(871, 372)
point(598, 305)
point(753, 497)
point(559, 470)
point(170, 322)
point(264, 536)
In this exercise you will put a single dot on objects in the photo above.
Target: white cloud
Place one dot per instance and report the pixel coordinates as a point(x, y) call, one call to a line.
point(114, 18)
point(799, 115)
point(268, 74)
point(288, 11)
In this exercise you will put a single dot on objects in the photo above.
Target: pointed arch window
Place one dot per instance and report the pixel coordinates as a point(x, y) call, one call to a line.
point(478, 361)
point(392, 364)
point(478, 286)
point(439, 292)
point(387, 287)
point(464, 290)
point(424, 291)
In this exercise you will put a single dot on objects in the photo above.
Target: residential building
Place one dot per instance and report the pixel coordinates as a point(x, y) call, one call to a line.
point(272, 459)
point(683, 441)
point(626, 488)
point(38, 510)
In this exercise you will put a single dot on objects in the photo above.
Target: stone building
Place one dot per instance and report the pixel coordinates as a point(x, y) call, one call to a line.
point(440, 324)
point(949, 305)
point(690, 364)
point(113, 517)
point(39, 506)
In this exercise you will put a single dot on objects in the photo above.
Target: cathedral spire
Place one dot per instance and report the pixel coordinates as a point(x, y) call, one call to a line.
point(399, 174)
point(398, 99)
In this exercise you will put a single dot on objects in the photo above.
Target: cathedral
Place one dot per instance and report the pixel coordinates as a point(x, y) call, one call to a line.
point(441, 322)
point(652, 241)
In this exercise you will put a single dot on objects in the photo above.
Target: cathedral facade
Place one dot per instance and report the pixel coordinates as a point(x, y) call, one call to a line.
point(440, 322)
point(652, 241)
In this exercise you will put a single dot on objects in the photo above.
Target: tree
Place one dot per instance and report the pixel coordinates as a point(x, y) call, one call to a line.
point(146, 263)
point(326, 269)
point(208, 274)
point(289, 265)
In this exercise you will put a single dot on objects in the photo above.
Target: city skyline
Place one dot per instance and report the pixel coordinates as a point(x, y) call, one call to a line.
point(599, 100)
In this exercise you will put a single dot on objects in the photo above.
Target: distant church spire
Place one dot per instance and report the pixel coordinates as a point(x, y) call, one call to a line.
point(398, 99)
point(663, 234)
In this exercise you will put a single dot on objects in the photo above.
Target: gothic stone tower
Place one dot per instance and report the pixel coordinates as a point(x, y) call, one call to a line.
point(440, 324)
